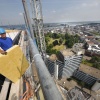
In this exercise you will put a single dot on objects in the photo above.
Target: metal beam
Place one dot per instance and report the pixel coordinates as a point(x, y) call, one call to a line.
point(28, 20)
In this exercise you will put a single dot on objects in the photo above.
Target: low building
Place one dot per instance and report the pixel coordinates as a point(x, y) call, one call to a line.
point(78, 49)
point(63, 53)
point(78, 94)
point(71, 62)
point(96, 86)
point(92, 49)
point(90, 70)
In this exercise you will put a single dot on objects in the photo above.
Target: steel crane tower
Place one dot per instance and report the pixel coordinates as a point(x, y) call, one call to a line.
point(38, 25)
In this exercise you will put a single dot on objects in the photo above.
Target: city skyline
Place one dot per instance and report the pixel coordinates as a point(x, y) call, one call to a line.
point(53, 11)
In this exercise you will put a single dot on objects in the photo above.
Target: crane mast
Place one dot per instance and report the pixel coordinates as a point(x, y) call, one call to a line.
point(38, 25)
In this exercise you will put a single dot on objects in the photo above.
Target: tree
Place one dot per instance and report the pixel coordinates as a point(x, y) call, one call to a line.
point(55, 42)
point(48, 49)
point(86, 45)
point(70, 40)
point(48, 34)
point(55, 36)
point(69, 43)
point(47, 39)
point(96, 65)
point(66, 36)
point(95, 60)
point(50, 45)
point(53, 51)
point(60, 41)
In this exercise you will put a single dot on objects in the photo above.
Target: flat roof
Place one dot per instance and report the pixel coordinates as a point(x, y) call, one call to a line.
point(67, 52)
point(90, 70)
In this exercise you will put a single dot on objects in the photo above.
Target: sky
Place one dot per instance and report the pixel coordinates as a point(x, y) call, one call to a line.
point(53, 11)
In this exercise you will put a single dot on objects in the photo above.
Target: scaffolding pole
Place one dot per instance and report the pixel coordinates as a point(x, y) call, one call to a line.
point(27, 17)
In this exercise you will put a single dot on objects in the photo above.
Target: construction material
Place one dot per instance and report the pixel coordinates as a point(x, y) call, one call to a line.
point(14, 64)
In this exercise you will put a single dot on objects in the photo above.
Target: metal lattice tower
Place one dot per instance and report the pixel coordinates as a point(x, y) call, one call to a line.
point(38, 25)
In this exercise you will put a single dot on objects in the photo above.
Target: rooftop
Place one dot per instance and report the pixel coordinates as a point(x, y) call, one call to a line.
point(67, 52)
point(90, 70)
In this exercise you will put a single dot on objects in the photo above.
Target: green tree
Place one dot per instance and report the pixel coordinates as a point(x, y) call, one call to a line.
point(47, 39)
point(60, 41)
point(53, 51)
point(66, 36)
point(55, 36)
point(86, 45)
point(55, 42)
point(48, 34)
point(96, 65)
point(69, 44)
point(50, 45)
point(95, 60)
point(70, 40)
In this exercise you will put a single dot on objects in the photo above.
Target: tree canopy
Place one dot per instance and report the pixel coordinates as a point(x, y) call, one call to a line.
point(70, 40)
point(96, 61)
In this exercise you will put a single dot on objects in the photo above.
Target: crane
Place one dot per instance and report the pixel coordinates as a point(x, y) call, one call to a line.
point(38, 25)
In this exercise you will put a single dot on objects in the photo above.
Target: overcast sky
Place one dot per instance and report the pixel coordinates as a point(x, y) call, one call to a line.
point(53, 11)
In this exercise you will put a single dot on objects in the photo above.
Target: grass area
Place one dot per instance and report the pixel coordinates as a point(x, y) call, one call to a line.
point(57, 47)
point(86, 62)
point(51, 40)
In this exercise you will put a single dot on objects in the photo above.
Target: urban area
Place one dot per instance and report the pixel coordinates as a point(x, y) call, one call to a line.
point(76, 47)
point(49, 61)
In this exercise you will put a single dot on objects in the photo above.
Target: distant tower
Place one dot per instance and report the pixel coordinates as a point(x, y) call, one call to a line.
point(38, 25)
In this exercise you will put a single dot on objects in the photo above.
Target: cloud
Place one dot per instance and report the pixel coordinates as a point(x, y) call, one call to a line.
point(93, 4)
point(53, 11)
point(21, 14)
point(87, 10)
point(84, 4)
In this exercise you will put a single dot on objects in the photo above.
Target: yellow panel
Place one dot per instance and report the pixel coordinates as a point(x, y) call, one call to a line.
point(14, 64)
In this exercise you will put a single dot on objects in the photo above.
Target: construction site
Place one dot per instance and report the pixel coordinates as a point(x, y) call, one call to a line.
point(27, 73)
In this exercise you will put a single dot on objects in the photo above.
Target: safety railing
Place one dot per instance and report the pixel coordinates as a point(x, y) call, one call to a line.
point(48, 85)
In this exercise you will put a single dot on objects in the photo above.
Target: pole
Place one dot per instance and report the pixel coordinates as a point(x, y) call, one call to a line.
point(28, 18)
point(56, 71)
point(26, 25)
